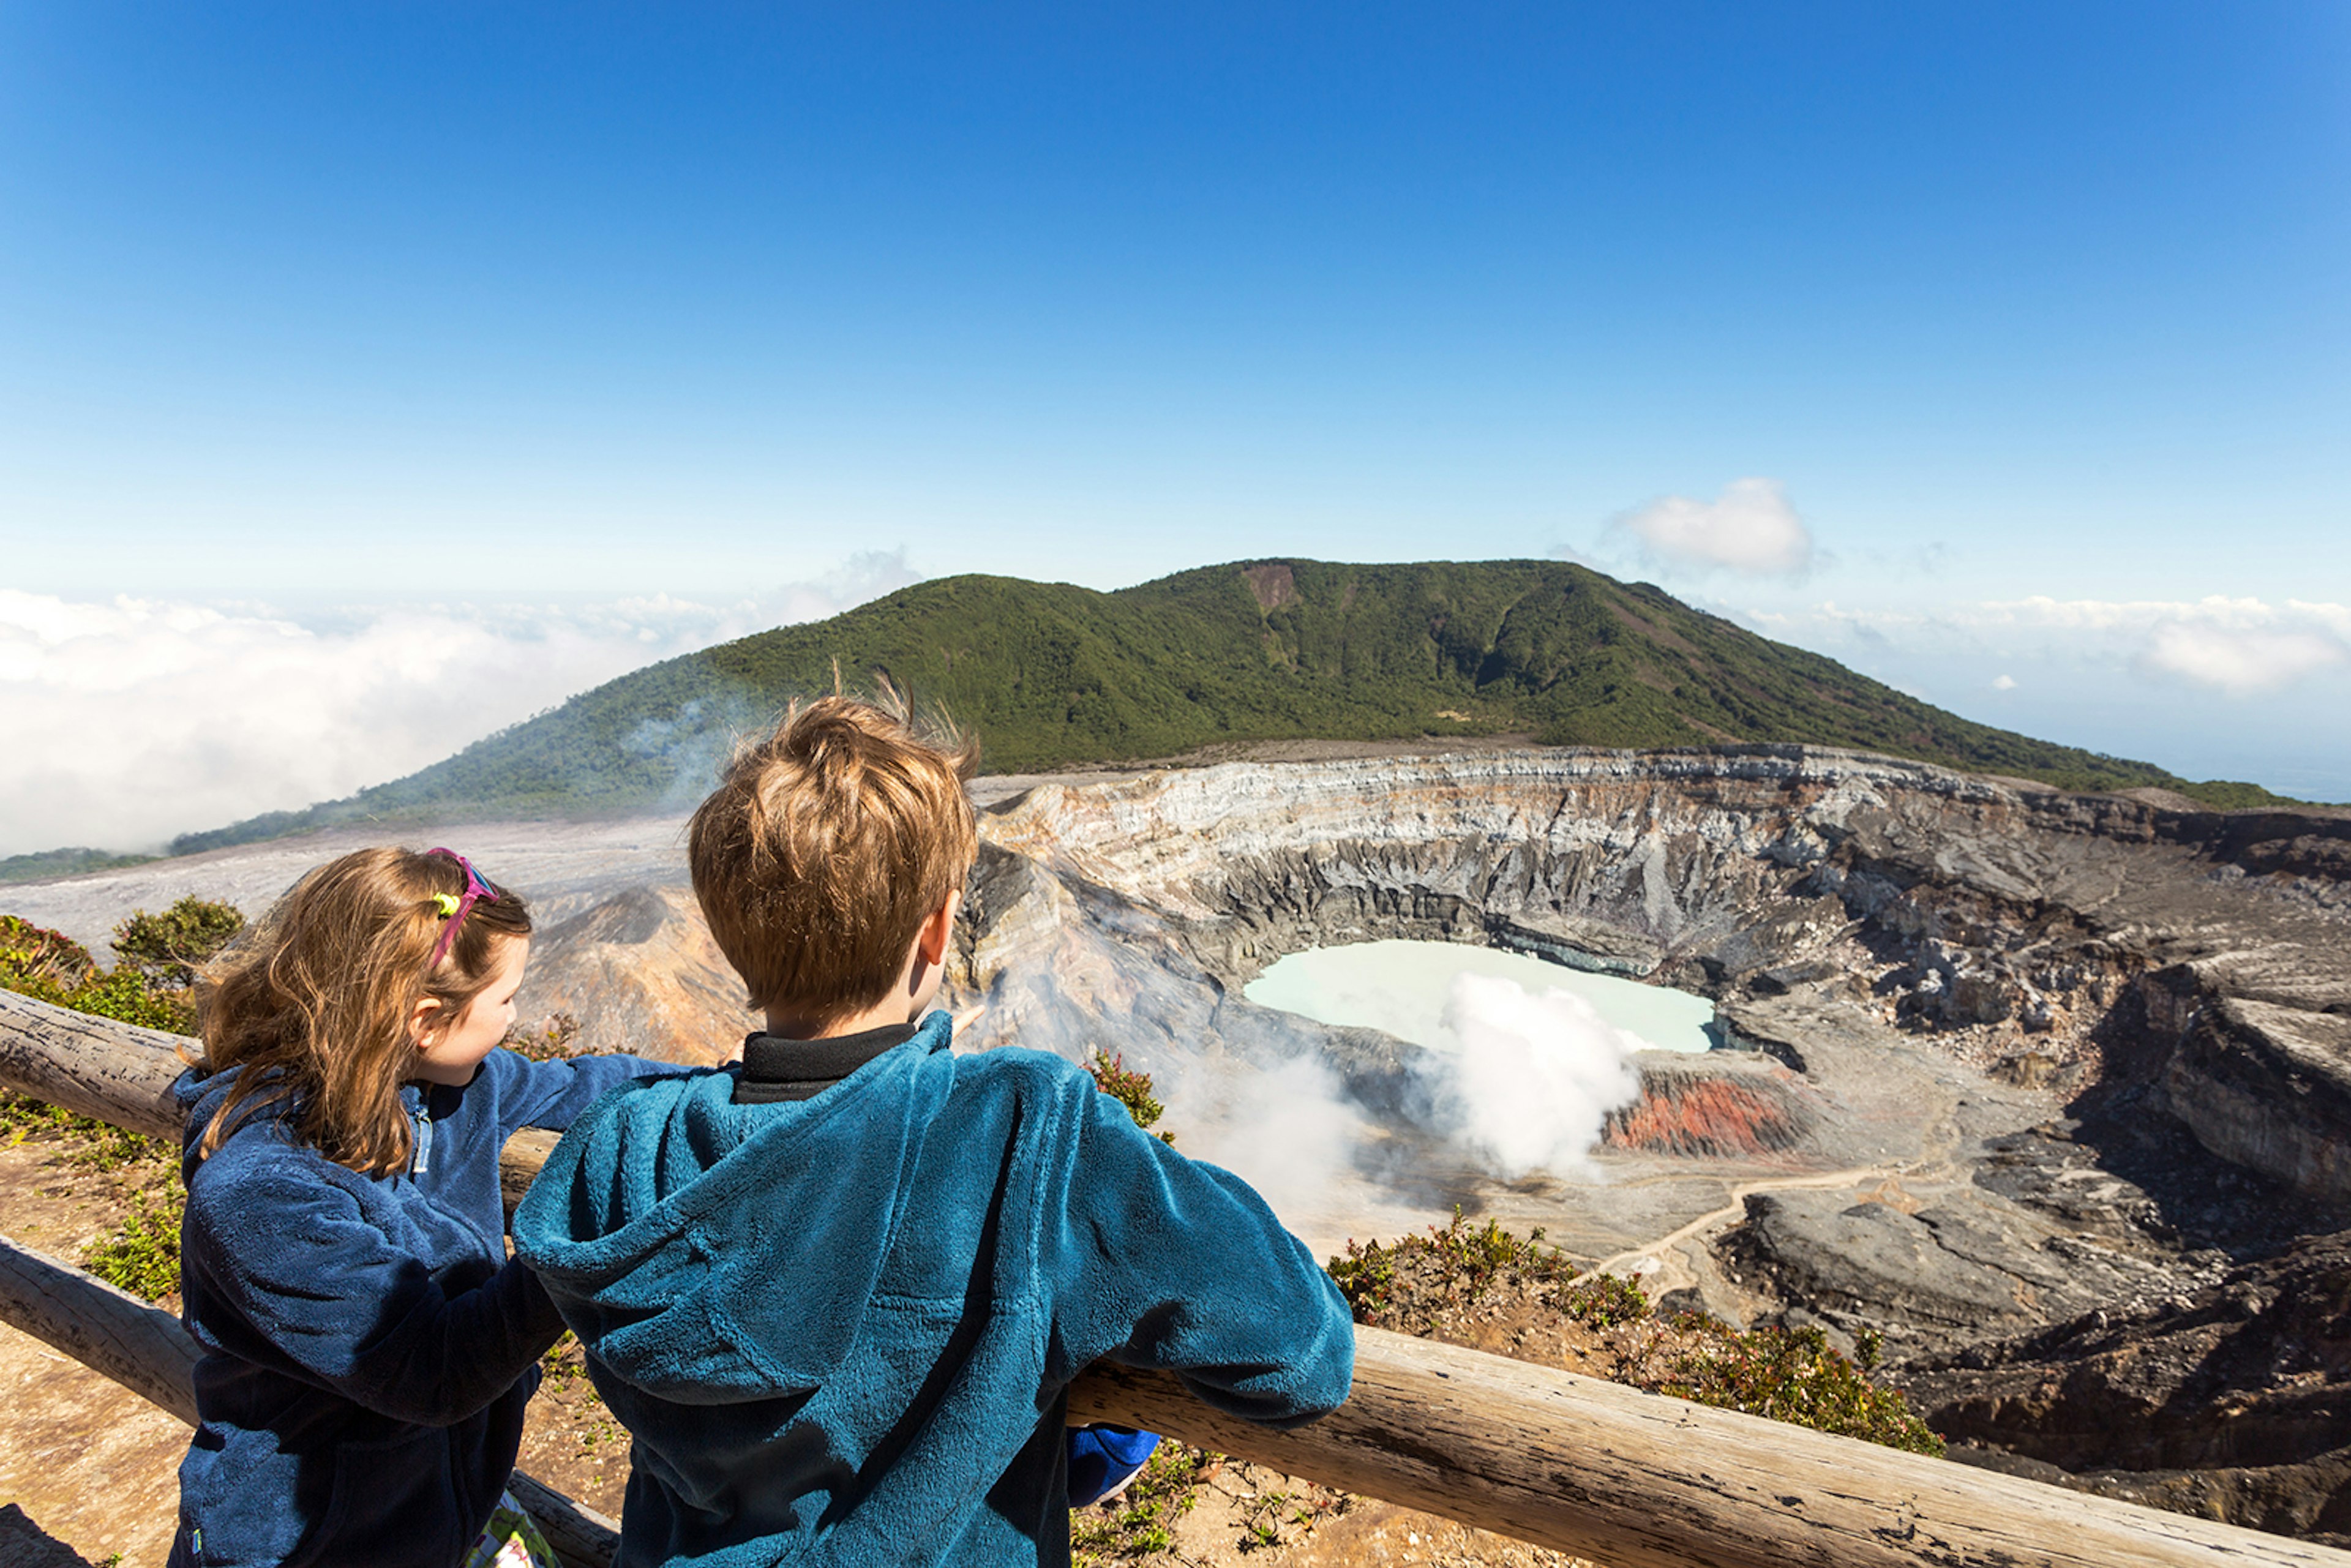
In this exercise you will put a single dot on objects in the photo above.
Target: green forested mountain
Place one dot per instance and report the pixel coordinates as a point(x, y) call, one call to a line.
point(1050, 674)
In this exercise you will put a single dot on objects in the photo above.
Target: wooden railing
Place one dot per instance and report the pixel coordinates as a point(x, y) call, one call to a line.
point(1632, 1479)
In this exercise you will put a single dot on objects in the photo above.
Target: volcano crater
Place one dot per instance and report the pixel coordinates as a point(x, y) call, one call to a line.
point(1998, 1061)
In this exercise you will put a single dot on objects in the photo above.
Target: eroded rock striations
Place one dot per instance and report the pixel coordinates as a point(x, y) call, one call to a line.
point(2011, 925)
point(2233, 1399)
point(640, 973)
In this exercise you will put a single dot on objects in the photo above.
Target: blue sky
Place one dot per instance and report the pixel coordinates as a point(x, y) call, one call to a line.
point(546, 340)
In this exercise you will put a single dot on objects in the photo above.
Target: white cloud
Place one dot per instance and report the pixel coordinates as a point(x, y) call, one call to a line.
point(2242, 646)
point(2219, 687)
point(131, 720)
point(2004, 682)
point(2237, 660)
point(1750, 529)
point(2141, 615)
point(2335, 617)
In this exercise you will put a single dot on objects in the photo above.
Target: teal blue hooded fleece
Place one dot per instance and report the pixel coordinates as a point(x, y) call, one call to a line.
point(842, 1329)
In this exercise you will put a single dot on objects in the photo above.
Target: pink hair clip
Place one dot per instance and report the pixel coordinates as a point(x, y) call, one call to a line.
point(453, 907)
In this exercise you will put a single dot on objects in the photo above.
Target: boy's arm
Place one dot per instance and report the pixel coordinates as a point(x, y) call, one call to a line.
point(1154, 1259)
point(310, 1278)
point(552, 1093)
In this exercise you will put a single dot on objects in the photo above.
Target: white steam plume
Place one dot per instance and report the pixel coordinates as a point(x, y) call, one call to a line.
point(1289, 1131)
point(1513, 1084)
point(1535, 1077)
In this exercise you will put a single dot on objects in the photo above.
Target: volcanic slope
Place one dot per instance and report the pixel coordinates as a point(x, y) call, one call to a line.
point(1052, 675)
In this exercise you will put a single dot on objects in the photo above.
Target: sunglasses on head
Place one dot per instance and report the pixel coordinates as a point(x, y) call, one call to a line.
point(453, 907)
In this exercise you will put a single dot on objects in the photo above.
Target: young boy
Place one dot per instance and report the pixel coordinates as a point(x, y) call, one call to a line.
point(838, 1295)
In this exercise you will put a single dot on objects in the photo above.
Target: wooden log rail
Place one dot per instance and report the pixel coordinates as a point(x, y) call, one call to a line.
point(1631, 1480)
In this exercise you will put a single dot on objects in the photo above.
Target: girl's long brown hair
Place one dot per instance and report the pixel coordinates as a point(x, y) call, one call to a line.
point(314, 1002)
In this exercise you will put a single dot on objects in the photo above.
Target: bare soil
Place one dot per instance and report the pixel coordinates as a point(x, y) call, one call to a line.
point(1243, 1515)
point(91, 1468)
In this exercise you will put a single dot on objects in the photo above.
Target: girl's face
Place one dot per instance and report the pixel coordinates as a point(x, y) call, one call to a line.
point(448, 1049)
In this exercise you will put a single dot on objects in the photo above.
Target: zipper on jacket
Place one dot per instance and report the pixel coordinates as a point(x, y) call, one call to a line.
point(420, 1152)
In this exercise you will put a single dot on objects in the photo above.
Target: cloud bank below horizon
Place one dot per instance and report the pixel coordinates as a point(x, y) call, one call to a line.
point(131, 720)
point(2242, 646)
point(2218, 687)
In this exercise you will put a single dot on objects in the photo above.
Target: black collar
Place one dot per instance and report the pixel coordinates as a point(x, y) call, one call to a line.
point(777, 1070)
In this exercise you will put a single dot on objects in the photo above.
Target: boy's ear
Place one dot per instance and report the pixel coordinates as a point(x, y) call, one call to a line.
point(930, 942)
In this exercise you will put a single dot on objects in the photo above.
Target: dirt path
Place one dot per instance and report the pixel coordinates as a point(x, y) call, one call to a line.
point(1661, 1271)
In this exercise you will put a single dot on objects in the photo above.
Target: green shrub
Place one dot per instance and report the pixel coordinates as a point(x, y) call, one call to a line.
point(141, 1255)
point(1129, 1088)
point(1605, 1300)
point(152, 983)
point(1142, 1519)
point(1462, 1261)
point(168, 948)
point(1419, 1285)
point(1792, 1374)
point(36, 959)
point(552, 1038)
point(1366, 1275)
point(124, 993)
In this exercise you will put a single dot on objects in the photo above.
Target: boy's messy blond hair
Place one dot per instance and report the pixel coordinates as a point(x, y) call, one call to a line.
point(826, 846)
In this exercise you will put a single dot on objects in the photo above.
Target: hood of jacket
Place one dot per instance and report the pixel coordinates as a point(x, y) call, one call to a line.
point(202, 1096)
point(713, 1253)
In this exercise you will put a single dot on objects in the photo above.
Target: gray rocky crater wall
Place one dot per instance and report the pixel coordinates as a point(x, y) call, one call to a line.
point(2058, 941)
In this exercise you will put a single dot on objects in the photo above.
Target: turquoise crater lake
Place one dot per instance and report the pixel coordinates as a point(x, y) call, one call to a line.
point(1401, 988)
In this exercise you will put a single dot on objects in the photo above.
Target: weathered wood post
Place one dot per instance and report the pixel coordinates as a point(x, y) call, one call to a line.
point(116, 1073)
point(1633, 1479)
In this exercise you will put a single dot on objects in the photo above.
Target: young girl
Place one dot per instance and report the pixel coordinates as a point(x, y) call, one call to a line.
point(369, 1348)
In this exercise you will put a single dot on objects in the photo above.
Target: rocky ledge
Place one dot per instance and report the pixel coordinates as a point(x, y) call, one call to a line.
point(2233, 1400)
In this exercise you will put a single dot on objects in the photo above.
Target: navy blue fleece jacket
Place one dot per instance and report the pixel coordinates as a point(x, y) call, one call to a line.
point(369, 1348)
point(842, 1330)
